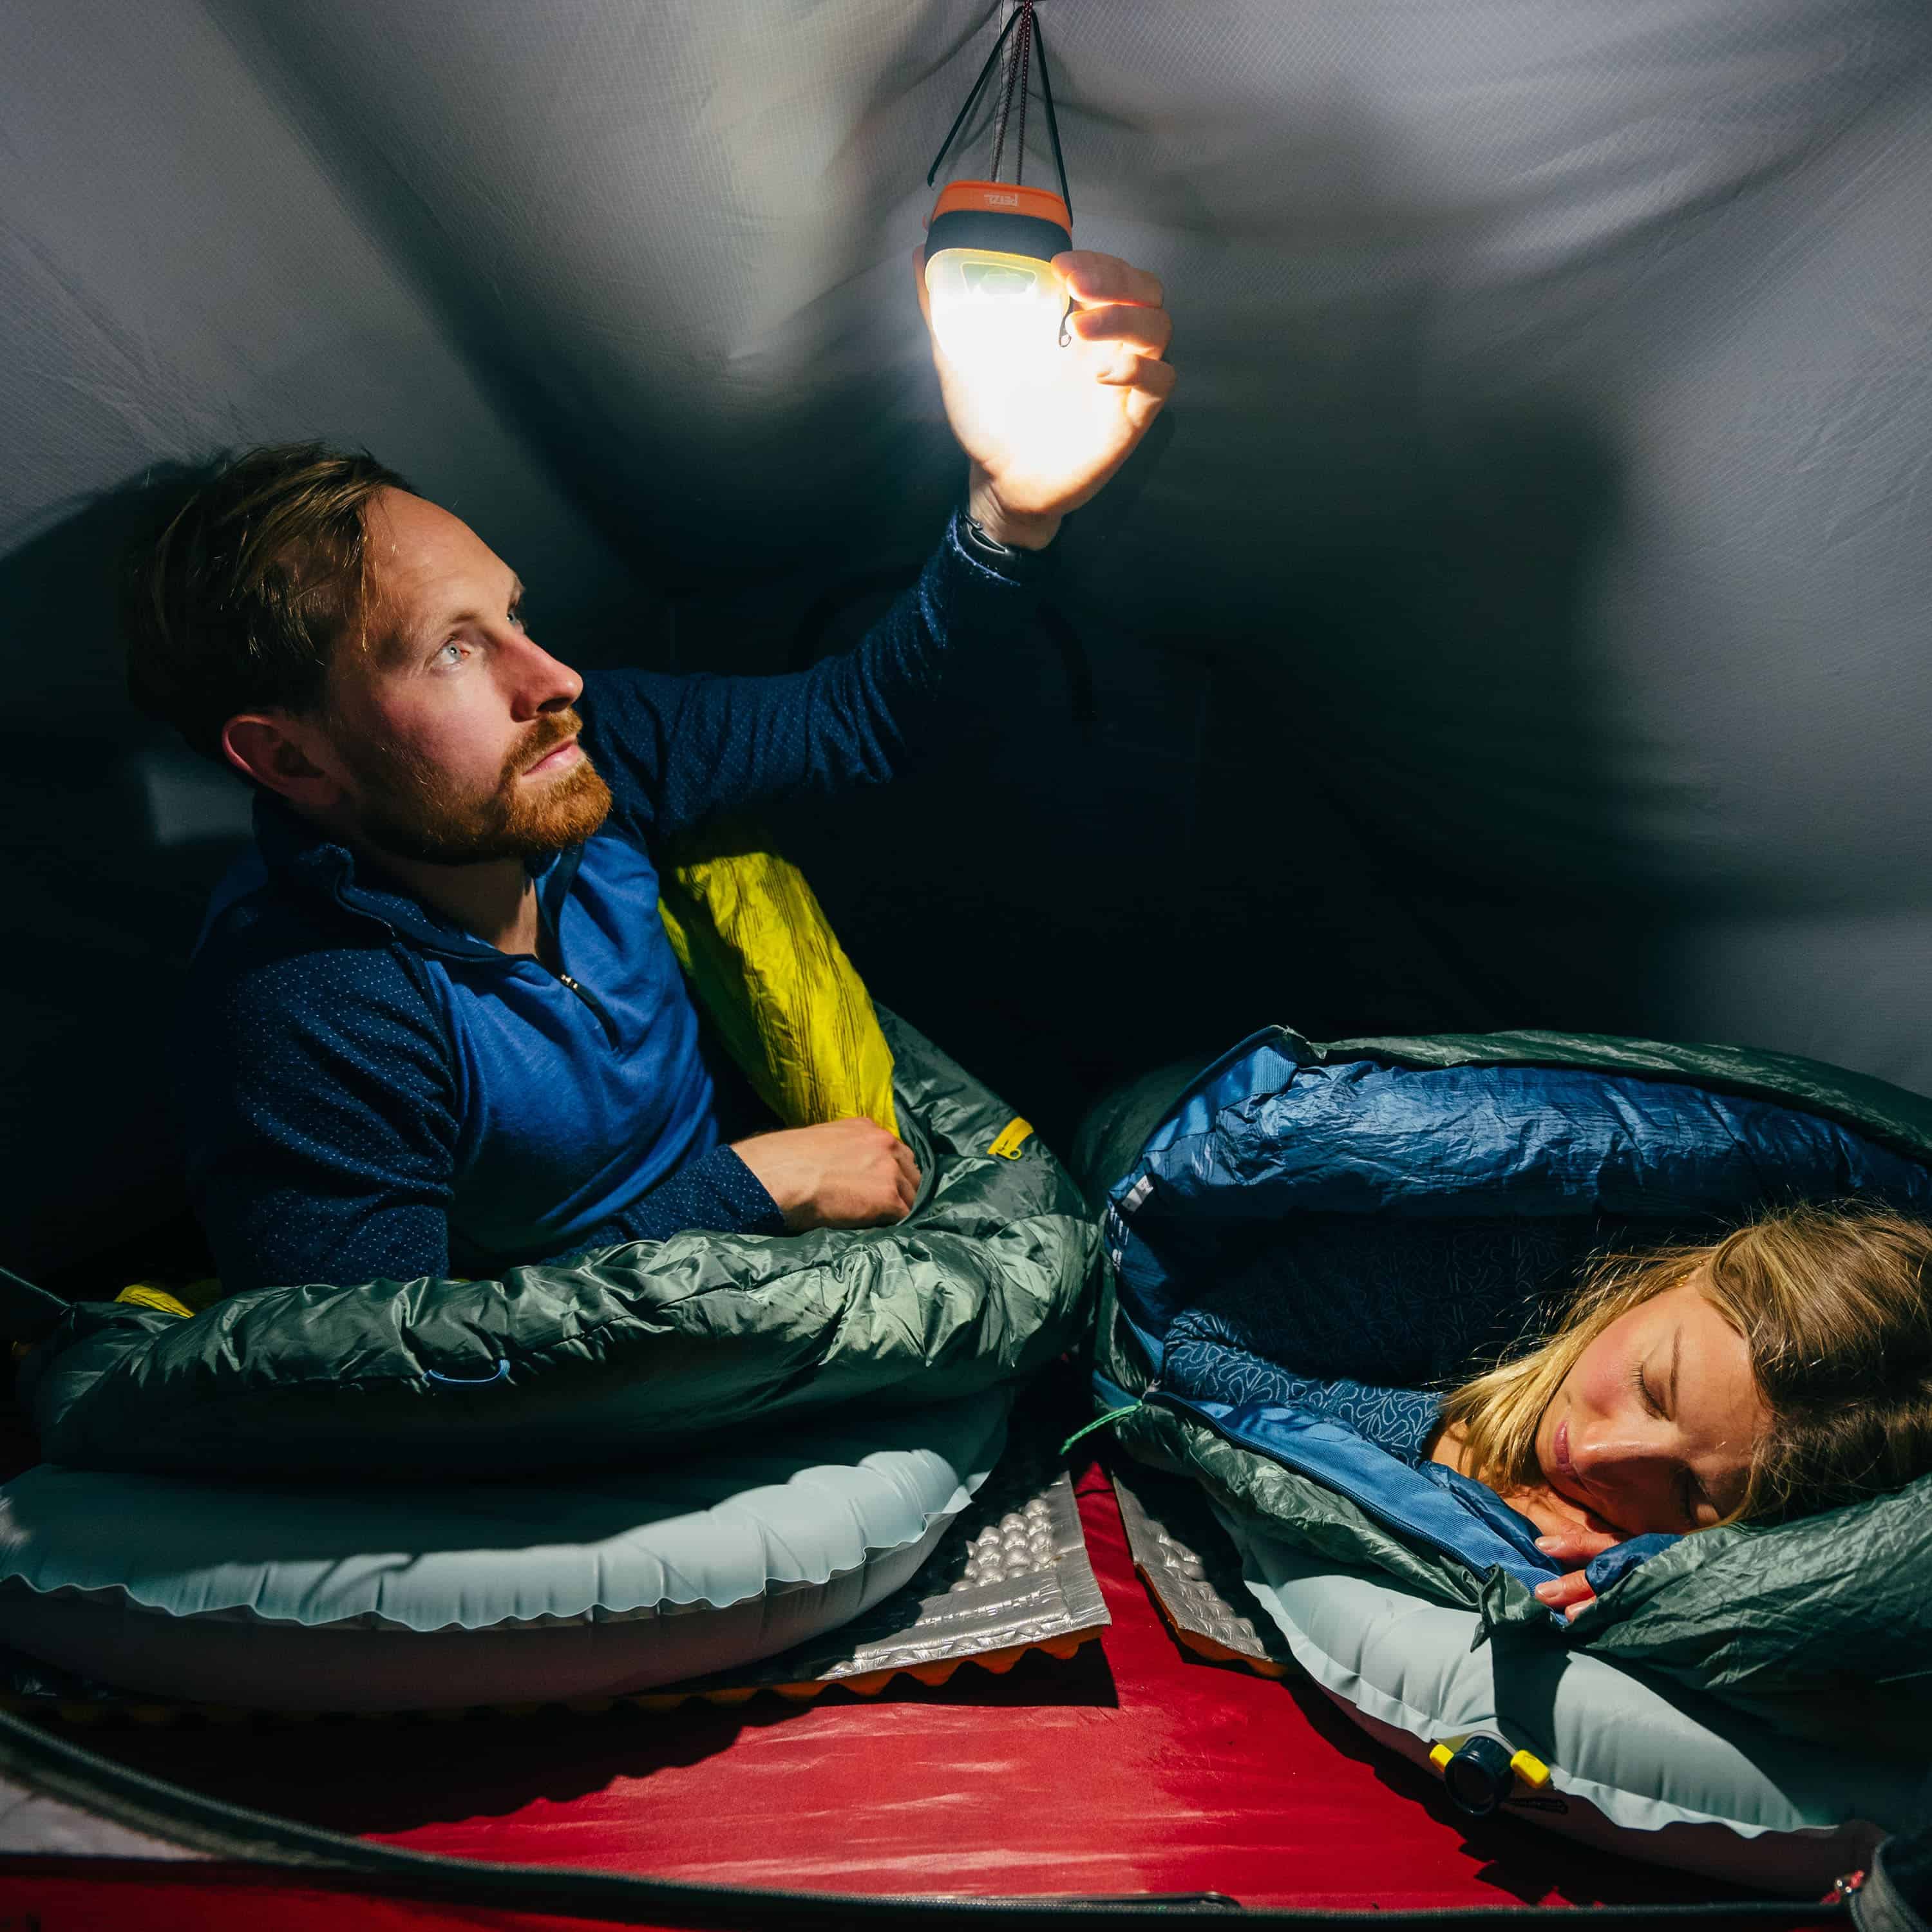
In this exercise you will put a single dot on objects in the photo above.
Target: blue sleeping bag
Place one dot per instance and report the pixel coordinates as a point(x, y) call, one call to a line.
point(1274, 1222)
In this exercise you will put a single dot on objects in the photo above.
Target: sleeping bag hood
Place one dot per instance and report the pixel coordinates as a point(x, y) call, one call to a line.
point(1521, 1153)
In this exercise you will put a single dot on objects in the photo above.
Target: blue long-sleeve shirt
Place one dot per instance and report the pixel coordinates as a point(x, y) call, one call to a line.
point(369, 1091)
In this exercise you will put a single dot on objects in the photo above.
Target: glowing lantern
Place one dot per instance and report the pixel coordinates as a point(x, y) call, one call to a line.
point(999, 306)
point(997, 302)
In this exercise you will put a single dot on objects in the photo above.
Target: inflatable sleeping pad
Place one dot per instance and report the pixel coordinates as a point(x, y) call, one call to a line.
point(410, 1595)
point(634, 1349)
point(1779, 1648)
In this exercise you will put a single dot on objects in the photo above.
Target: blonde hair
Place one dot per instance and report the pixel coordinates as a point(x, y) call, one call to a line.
point(1835, 1307)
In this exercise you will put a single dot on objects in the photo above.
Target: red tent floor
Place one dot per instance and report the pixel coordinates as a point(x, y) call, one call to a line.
point(1134, 1768)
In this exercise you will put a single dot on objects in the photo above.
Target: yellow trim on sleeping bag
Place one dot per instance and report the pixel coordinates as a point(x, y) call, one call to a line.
point(145, 1295)
point(762, 960)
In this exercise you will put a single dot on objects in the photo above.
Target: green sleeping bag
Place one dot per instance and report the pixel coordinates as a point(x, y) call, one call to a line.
point(633, 1352)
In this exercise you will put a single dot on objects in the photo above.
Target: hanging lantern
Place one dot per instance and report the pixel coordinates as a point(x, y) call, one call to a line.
point(999, 306)
point(997, 299)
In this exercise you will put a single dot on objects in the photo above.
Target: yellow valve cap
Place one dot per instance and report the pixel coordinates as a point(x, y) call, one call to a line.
point(1526, 1764)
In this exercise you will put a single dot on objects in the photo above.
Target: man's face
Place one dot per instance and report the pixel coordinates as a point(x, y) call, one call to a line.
point(453, 728)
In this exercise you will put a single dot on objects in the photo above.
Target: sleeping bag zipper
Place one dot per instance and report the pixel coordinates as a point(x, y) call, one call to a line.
point(1155, 1394)
point(1375, 1511)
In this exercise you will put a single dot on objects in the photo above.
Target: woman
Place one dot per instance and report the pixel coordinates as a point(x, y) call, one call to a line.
point(1785, 1369)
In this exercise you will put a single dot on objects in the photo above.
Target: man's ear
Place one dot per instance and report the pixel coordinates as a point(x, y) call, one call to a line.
point(284, 755)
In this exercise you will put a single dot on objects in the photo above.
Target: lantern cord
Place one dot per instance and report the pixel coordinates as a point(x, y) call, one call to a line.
point(1052, 119)
point(972, 101)
point(1019, 63)
point(1031, 40)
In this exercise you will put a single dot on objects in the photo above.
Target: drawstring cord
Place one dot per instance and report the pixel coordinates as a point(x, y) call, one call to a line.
point(1112, 1416)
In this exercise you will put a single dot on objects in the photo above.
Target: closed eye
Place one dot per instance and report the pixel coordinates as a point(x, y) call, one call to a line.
point(1641, 1383)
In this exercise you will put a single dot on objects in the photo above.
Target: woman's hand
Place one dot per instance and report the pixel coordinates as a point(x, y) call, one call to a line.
point(1571, 1592)
point(1570, 1535)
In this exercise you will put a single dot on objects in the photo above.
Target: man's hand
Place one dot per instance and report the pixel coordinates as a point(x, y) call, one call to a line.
point(846, 1174)
point(1038, 452)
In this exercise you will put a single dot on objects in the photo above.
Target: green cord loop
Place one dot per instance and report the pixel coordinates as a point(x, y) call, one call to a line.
point(1099, 1422)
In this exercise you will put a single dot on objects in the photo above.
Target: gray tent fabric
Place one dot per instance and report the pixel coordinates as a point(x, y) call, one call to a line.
point(1518, 618)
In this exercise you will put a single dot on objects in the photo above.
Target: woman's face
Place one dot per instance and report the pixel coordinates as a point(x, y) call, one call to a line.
point(1654, 1427)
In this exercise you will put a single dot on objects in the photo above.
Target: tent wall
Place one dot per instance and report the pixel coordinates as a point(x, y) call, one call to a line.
point(1520, 616)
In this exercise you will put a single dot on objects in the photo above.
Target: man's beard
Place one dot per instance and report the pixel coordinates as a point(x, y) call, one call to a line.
point(405, 806)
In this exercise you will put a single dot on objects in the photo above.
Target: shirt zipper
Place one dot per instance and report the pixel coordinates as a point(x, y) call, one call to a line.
point(546, 930)
point(596, 1005)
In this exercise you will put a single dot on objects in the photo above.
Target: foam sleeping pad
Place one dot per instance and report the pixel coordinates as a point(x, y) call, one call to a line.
point(634, 1349)
point(1430, 1145)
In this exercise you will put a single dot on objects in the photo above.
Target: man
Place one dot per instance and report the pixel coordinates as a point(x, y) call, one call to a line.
point(434, 1025)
